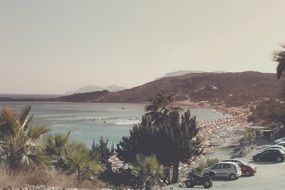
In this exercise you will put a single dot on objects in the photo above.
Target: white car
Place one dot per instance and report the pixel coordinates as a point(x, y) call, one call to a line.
point(227, 170)
point(276, 146)
point(279, 140)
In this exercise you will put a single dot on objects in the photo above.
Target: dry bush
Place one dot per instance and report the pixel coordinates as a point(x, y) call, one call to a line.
point(42, 177)
point(204, 163)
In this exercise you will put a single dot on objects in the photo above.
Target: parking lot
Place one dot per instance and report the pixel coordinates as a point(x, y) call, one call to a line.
point(269, 176)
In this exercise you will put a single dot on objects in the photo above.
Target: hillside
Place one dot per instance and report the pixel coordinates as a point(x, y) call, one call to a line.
point(231, 89)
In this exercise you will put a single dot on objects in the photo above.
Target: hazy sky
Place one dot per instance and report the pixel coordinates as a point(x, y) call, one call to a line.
point(54, 46)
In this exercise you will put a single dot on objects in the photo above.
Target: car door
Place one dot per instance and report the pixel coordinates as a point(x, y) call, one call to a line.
point(226, 169)
point(218, 169)
point(274, 155)
point(267, 155)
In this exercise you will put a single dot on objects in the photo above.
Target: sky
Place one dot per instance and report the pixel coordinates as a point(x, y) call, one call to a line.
point(54, 46)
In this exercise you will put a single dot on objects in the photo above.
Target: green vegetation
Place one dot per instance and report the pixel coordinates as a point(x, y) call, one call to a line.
point(18, 141)
point(167, 133)
point(56, 147)
point(71, 157)
point(204, 163)
point(25, 147)
point(102, 151)
point(246, 143)
point(279, 57)
point(82, 164)
point(147, 171)
point(267, 112)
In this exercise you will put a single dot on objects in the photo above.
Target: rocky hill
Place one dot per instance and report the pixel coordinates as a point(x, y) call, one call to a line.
point(231, 89)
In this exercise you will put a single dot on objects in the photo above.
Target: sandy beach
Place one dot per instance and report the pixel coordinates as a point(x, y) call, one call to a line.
point(236, 120)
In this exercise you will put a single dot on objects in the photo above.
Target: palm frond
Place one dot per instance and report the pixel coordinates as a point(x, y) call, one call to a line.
point(12, 124)
point(279, 57)
point(36, 132)
point(23, 117)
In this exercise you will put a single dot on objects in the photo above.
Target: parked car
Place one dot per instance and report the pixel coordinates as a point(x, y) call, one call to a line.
point(282, 143)
point(275, 146)
point(271, 154)
point(246, 169)
point(229, 170)
point(279, 140)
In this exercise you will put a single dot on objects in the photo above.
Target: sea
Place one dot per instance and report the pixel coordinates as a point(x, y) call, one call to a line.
point(87, 122)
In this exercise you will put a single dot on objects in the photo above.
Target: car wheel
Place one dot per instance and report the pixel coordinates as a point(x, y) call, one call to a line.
point(189, 184)
point(232, 177)
point(280, 159)
point(247, 173)
point(208, 184)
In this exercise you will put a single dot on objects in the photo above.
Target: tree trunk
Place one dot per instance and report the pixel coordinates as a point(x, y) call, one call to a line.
point(175, 172)
point(166, 174)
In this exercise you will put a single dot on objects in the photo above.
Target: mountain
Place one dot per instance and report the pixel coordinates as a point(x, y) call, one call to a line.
point(82, 97)
point(231, 89)
point(179, 73)
point(114, 88)
point(90, 88)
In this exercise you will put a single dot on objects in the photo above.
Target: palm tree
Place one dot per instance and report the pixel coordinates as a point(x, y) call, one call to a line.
point(147, 171)
point(71, 157)
point(158, 107)
point(19, 140)
point(82, 163)
point(56, 147)
point(279, 57)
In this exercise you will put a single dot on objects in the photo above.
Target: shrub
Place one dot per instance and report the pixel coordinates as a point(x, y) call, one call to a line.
point(103, 152)
point(147, 171)
point(204, 163)
point(249, 139)
point(72, 158)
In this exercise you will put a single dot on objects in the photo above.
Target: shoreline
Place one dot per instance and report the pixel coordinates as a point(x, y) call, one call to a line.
point(207, 105)
point(238, 117)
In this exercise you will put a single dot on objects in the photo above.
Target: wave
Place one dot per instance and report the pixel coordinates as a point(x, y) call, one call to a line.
point(128, 122)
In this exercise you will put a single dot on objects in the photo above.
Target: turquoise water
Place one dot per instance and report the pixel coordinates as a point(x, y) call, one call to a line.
point(89, 121)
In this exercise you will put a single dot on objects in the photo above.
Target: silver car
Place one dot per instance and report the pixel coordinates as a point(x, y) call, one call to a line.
point(227, 170)
point(279, 140)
